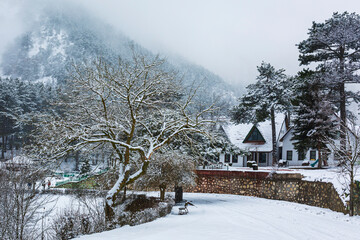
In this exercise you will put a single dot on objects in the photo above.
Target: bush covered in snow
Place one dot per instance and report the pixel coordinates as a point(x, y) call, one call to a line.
point(138, 209)
point(90, 218)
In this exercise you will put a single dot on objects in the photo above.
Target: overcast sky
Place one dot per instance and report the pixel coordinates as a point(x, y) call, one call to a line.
point(228, 37)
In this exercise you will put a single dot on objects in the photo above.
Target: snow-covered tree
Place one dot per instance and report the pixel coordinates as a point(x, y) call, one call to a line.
point(135, 108)
point(85, 167)
point(8, 111)
point(314, 118)
point(20, 101)
point(335, 45)
point(168, 168)
point(349, 161)
point(270, 94)
point(22, 206)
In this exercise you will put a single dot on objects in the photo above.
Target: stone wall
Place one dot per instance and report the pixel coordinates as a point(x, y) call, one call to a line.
point(287, 187)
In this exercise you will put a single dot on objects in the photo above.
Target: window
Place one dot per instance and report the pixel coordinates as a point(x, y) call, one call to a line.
point(312, 154)
point(227, 157)
point(280, 152)
point(254, 136)
point(301, 155)
point(262, 157)
point(235, 158)
point(289, 155)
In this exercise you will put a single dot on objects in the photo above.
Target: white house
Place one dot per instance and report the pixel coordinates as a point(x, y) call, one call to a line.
point(256, 141)
point(286, 150)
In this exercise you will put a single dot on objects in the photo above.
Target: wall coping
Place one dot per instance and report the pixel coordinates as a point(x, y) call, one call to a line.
point(250, 174)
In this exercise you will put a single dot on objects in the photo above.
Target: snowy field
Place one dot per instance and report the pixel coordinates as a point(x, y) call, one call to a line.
point(218, 216)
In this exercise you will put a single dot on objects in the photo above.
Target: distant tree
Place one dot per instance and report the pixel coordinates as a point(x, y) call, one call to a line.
point(20, 103)
point(9, 109)
point(335, 45)
point(314, 118)
point(169, 168)
point(270, 94)
point(85, 167)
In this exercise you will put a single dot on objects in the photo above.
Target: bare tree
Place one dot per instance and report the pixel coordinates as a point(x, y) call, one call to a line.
point(135, 108)
point(169, 168)
point(87, 218)
point(21, 202)
point(349, 160)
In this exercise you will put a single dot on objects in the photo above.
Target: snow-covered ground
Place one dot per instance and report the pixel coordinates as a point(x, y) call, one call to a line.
point(218, 216)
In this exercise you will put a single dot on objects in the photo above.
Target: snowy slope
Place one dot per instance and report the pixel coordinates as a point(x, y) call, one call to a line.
point(61, 36)
point(218, 217)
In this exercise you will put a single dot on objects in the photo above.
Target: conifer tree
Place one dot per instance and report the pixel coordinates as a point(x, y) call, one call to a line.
point(335, 45)
point(314, 122)
point(270, 94)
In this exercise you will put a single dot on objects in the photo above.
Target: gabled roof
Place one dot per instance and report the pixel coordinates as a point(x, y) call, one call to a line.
point(237, 133)
point(286, 133)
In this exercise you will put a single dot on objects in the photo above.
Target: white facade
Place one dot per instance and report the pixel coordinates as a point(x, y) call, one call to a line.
point(236, 160)
point(261, 152)
point(289, 153)
point(258, 149)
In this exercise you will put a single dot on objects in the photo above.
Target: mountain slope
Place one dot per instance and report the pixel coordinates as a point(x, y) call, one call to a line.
point(61, 36)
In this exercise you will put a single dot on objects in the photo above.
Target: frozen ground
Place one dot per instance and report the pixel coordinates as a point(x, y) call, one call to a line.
point(218, 216)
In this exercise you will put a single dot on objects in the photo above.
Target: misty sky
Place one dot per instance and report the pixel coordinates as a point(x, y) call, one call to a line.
point(228, 37)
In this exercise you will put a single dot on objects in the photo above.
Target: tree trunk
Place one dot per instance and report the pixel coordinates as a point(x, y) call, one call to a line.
point(3, 148)
point(342, 117)
point(352, 185)
point(109, 213)
point(77, 161)
point(273, 131)
point(320, 160)
point(342, 102)
point(119, 186)
point(162, 192)
point(124, 196)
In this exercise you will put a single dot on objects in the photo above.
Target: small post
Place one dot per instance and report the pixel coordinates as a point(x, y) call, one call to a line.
point(178, 194)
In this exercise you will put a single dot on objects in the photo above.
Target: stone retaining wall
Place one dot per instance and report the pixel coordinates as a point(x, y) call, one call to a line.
point(288, 187)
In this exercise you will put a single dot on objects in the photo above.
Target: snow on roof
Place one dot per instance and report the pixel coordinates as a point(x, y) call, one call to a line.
point(237, 133)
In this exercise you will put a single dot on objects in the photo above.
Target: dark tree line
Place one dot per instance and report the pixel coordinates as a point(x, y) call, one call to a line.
point(20, 104)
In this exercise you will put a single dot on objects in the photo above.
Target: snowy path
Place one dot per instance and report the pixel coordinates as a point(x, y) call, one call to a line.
point(238, 217)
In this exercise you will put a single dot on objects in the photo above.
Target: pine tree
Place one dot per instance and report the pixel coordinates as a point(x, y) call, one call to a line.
point(314, 122)
point(335, 44)
point(8, 111)
point(270, 94)
point(20, 104)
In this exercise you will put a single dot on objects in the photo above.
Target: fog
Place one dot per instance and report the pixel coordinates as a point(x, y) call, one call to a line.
point(228, 37)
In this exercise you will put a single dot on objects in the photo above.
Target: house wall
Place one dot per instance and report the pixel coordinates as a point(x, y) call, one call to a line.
point(288, 145)
point(288, 187)
point(243, 159)
point(240, 158)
